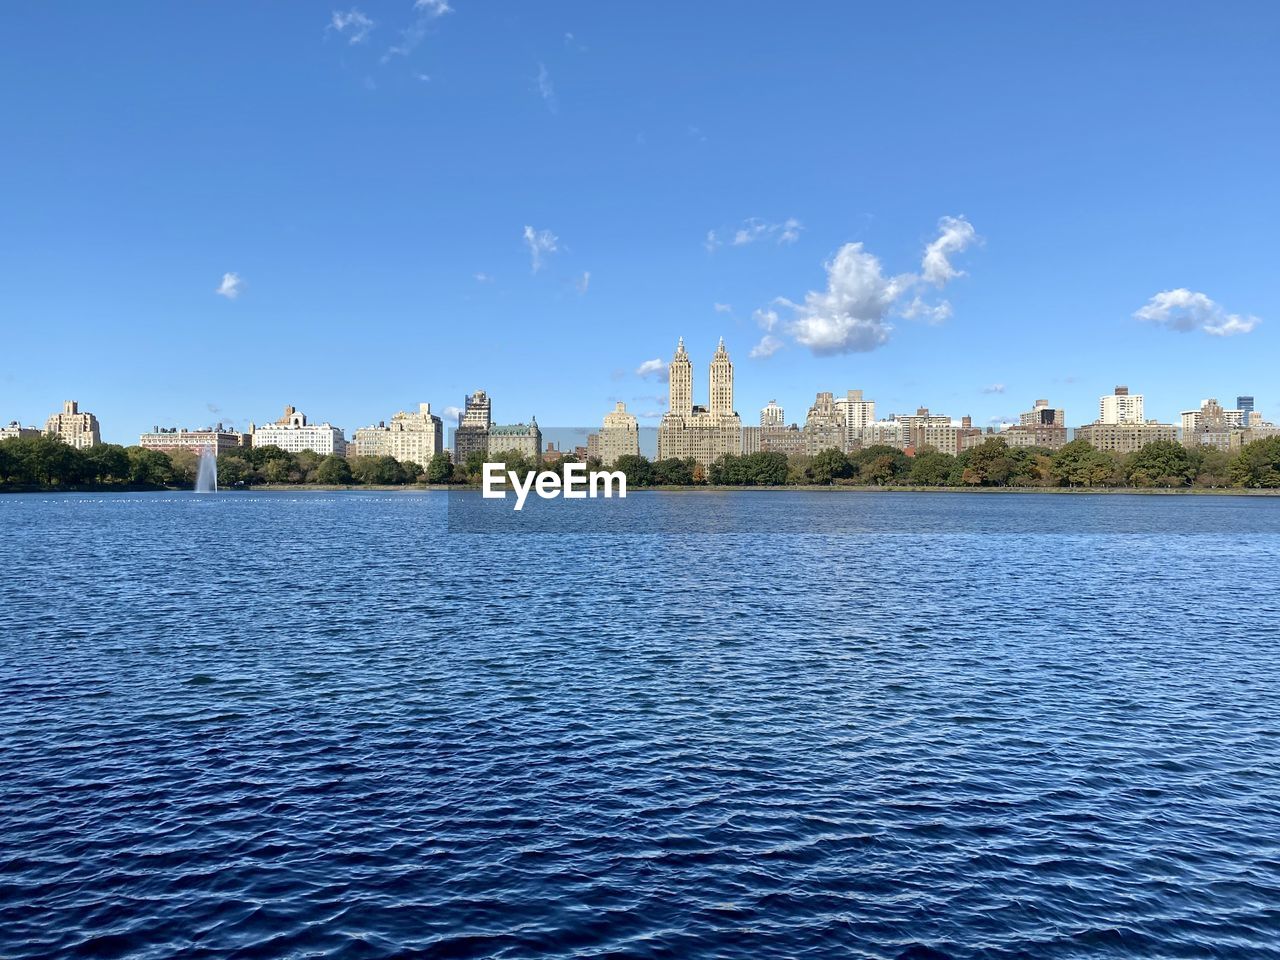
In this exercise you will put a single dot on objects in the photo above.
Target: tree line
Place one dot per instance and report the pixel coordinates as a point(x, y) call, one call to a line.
point(46, 463)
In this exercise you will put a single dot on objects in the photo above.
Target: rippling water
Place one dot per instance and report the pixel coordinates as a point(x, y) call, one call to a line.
point(324, 725)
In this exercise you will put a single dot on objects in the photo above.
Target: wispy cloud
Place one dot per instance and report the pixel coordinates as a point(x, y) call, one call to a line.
point(582, 283)
point(352, 24)
point(767, 347)
point(426, 11)
point(483, 277)
point(546, 89)
point(541, 244)
point(852, 314)
point(993, 388)
point(231, 286)
point(754, 229)
point(1184, 310)
point(451, 413)
point(723, 308)
point(654, 369)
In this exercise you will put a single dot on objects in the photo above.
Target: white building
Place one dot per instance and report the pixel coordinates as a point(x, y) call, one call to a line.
point(409, 437)
point(74, 427)
point(15, 430)
point(293, 434)
point(772, 415)
point(1120, 407)
point(857, 414)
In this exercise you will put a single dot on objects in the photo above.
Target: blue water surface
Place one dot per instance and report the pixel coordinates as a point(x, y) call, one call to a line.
point(835, 725)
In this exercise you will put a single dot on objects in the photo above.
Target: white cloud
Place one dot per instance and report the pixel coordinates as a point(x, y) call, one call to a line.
point(723, 308)
point(955, 235)
point(654, 368)
point(353, 24)
point(753, 229)
point(433, 8)
point(767, 347)
point(766, 319)
point(850, 316)
point(583, 282)
point(546, 90)
point(541, 244)
point(451, 413)
point(853, 314)
point(933, 313)
point(994, 388)
point(230, 286)
point(483, 277)
point(1184, 310)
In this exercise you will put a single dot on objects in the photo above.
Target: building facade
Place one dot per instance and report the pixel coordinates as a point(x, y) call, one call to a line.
point(15, 430)
point(857, 414)
point(703, 433)
point(1043, 415)
point(1120, 407)
point(472, 434)
point(409, 437)
point(216, 438)
point(524, 439)
point(292, 433)
point(824, 428)
point(1126, 437)
point(74, 426)
point(620, 435)
point(772, 415)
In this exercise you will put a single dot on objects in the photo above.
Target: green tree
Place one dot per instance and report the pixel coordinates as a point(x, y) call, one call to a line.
point(475, 463)
point(333, 470)
point(671, 472)
point(880, 464)
point(1214, 468)
point(828, 465)
point(148, 468)
point(233, 470)
point(1257, 464)
point(932, 468)
point(986, 465)
point(382, 470)
point(1161, 463)
point(638, 470)
point(108, 463)
point(1079, 464)
point(440, 469)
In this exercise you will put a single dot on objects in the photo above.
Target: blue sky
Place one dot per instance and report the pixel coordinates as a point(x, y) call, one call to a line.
point(368, 172)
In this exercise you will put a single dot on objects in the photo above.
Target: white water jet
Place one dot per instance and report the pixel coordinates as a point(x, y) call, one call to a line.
point(207, 471)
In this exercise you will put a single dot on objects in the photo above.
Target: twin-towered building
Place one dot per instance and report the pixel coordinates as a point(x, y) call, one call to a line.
point(691, 431)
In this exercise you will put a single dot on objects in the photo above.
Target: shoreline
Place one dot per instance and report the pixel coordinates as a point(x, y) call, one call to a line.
point(703, 488)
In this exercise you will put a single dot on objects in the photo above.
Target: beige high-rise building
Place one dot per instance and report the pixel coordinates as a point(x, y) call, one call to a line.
point(74, 427)
point(824, 429)
point(620, 435)
point(409, 437)
point(857, 414)
point(721, 382)
point(680, 382)
point(1121, 407)
point(694, 431)
point(1043, 415)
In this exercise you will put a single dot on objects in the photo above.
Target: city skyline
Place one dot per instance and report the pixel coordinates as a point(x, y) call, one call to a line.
point(1017, 240)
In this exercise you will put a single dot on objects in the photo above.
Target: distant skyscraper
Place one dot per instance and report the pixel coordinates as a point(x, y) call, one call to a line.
point(680, 382)
point(74, 427)
point(824, 428)
point(721, 382)
point(858, 414)
point(620, 435)
point(1245, 406)
point(772, 415)
point(472, 435)
point(1043, 415)
point(1121, 407)
point(695, 431)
